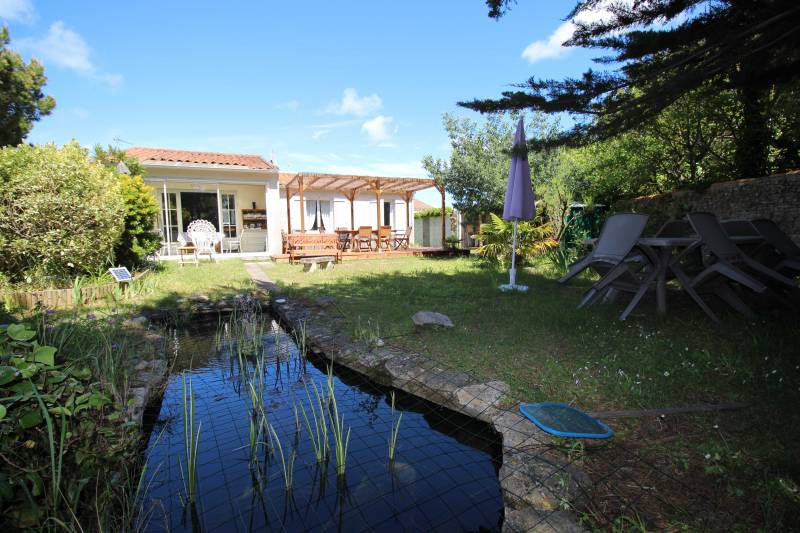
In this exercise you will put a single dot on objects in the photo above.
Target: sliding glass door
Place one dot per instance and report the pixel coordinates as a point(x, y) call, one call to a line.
point(199, 205)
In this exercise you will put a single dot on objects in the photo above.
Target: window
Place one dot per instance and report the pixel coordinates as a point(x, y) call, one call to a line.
point(228, 214)
point(320, 212)
point(169, 217)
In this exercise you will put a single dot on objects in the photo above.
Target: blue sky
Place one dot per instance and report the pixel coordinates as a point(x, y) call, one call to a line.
point(349, 86)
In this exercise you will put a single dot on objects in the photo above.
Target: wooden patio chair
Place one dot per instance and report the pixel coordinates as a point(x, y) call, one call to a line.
point(403, 240)
point(385, 240)
point(343, 238)
point(364, 238)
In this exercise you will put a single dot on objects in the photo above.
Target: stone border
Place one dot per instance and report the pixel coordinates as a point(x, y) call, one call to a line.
point(537, 485)
point(149, 369)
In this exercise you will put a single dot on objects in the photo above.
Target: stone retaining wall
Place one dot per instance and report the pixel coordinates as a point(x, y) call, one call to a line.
point(538, 485)
point(776, 197)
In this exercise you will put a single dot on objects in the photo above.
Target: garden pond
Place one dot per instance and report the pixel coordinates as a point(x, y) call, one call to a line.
point(256, 426)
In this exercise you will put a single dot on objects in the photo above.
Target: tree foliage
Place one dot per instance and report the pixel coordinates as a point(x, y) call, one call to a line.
point(21, 99)
point(476, 173)
point(662, 51)
point(60, 213)
point(141, 209)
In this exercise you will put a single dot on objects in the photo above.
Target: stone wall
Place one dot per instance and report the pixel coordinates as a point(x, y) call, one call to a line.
point(776, 197)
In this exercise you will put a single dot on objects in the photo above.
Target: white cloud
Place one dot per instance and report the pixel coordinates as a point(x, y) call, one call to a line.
point(552, 47)
point(353, 104)
point(376, 128)
point(17, 10)
point(67, 49)
point(79, 112)
point(319, 133)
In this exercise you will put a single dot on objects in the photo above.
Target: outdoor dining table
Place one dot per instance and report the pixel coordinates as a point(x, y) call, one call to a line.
point(354, 232)
point(660, 251)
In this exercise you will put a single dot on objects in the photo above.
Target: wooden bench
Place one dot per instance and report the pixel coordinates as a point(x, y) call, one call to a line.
point(324, 262)
point(308, 245)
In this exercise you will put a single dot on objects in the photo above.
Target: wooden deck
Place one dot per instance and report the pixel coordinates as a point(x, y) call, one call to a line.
point(388, 254)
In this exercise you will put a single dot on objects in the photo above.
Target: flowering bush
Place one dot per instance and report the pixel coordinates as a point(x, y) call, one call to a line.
point(61, 214)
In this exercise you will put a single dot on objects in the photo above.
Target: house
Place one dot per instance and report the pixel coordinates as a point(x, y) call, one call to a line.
point(256, 202)
point(428, 223)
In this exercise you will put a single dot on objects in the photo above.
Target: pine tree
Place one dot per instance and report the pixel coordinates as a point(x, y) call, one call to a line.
point(662, 50)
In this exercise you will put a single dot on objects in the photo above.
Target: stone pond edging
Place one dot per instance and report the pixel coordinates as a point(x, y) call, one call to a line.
point(538, 486)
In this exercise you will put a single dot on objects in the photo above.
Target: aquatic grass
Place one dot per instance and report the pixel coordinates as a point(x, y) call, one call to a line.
point(191, 441)
point(341, 440)
point(394, 431)
point(287, 466)
point(318, 435)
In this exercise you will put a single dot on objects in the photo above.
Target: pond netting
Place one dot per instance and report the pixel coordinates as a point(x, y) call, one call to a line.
point(443, 475)
point(260, 403)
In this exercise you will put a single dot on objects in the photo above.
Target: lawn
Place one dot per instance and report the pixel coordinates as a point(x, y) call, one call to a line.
point(546, 349)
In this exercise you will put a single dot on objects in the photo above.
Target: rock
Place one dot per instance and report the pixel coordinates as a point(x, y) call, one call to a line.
point(481, 400)
point(140, 321)
point(141, 365)
point(531, 520)
point(325, 301)
point(379, 343)
point(431, 318)
point(136, 409)
point(544, 483)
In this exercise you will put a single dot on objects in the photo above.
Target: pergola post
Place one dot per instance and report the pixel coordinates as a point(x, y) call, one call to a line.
point(288, 210)
point(352, 196)
point(440, 188)
point(408, 197)
point(302, 206)
point(378, 203)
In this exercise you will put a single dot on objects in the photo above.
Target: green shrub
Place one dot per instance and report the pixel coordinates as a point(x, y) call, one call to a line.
point(533, 239)
point(60, 213)
point(138, 239)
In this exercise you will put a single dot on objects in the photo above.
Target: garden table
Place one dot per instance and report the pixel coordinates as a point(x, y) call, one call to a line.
point(661, 252)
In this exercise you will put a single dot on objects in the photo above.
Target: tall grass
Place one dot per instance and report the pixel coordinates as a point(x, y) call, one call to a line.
point(287, 466)
point(191, 440)
point(318, 431)
point(394, 431)
point(341, 439)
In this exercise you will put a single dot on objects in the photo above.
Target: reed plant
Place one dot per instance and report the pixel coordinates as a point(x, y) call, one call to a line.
point(286, 465)
point(318, 431)
point(394, 431)
point(341, 439)
point(191, 440)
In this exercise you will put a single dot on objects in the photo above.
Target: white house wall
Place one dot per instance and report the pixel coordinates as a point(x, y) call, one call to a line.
point(364, 210)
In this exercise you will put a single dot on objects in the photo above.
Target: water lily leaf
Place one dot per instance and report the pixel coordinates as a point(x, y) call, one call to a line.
point(7, 374)
point(20, 332)
point(31, 419)
point(44, 354)
point(2, 416)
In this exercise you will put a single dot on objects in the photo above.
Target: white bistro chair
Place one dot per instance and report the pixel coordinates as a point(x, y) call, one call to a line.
point(204, 237)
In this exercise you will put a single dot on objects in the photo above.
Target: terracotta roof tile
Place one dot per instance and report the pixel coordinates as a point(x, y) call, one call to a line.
point(419, 205)
point(243, 161)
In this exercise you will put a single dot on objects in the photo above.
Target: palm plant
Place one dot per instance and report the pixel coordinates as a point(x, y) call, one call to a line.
point(533, 239)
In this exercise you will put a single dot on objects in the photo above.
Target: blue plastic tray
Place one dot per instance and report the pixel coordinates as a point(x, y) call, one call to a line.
point(565, 421)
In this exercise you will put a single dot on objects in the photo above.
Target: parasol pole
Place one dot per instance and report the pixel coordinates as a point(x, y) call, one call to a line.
point(512, 274)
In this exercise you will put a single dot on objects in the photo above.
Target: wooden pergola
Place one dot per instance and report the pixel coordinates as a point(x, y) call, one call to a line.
point(350, 185)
